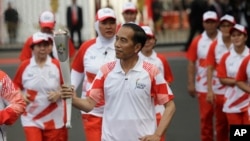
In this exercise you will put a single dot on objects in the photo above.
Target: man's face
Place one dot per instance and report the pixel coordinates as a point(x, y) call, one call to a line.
point(129, 16)
point(210, 26)
point(225, 27)
point(125, 48)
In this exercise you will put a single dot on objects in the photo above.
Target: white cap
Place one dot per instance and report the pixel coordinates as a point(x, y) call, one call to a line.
point(105, 13)
point(210, 15)
point(239, 28)
point(228, 18)
point(148, 31)
point(47, 19)
point(129, 6)
point(39, 37)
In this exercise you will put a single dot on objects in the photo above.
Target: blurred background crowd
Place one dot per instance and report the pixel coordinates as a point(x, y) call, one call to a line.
point(175, 22)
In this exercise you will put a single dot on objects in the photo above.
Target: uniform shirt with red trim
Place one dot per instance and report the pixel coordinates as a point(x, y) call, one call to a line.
point(37, 82)
point(197, 53)
point(161, 63)
point(12, 104)
point(236, 99)
point(129, 99)
point(91, 56)
point(216, 51)
point(11, 101)
point(244, 73)
point(26, 52)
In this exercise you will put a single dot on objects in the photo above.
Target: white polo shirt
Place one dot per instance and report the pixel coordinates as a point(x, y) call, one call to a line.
point(129, 99)
point(91, 56)
point(236, 99)
point(198, 53)
point(37, 82)
point(216, 51)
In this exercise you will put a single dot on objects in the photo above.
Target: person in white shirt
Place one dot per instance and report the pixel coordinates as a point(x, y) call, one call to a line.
point(90, 57)
point(128, 88)
point(148, 53)
point(236, 100)
point(197, 72)
point(216, 90)
point(39, 78)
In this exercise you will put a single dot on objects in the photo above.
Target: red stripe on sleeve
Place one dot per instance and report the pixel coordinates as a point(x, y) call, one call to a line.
point(192, 51)
point(18, 77)
point(221, 69)
point(211, 54)
point(78, 61)
point(242, 72)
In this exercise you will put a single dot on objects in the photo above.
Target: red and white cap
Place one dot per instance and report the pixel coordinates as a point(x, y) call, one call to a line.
point(239, 28)
point(228, 18)
point(210, 15)
point(104, 13)
point(39, 37)
point(129, 6)
point(47, 19)
point(148, 31)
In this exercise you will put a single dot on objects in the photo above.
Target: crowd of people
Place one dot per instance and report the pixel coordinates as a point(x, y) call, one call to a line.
point(113, 71)
point(121, 73)
point(218, 77)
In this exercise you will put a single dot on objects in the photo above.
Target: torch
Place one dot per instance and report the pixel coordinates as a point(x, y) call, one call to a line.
point(61, 39)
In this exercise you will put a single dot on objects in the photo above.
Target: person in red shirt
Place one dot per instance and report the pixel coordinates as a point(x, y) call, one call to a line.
point(47, 23)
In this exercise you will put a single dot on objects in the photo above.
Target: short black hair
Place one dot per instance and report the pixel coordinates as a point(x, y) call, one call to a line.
point(139, 34)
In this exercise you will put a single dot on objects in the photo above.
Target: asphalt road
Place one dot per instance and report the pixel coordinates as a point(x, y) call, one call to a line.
point(184, 126)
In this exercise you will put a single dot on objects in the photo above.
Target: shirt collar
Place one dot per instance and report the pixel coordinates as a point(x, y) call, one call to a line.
point(221, 43)
point(243, 54)
point(137, 67)
point(33, 62)
point(204, 35)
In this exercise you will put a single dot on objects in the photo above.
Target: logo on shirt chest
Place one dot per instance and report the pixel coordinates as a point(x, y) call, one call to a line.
point(139, 85)
point(92, 57)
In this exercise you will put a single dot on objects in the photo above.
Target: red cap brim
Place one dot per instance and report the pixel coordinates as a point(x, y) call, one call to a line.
point(49, 25)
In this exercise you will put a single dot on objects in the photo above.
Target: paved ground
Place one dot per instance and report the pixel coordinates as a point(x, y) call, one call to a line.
point(184, 127)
